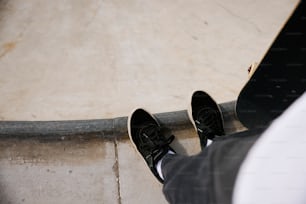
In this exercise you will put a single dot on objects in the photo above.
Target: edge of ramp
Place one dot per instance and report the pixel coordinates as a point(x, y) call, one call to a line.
point(115, 128)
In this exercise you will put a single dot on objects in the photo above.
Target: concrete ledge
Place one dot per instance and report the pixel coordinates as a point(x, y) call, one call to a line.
point(115, 128)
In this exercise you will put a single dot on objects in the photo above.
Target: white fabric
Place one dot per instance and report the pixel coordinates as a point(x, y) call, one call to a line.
point(159, 164)
point(275, 169)
point(209, 142)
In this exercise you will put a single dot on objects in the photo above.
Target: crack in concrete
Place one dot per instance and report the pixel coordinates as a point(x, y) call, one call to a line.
point(238, 17)
point(116, 170)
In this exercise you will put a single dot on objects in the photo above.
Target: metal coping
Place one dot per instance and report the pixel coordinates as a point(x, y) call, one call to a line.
point(115, 128)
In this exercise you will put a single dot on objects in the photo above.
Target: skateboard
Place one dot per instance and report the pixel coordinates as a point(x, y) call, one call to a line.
point(279, 79)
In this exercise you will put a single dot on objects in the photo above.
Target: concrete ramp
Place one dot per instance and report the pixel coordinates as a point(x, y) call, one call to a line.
point(77, 60)
point(71, 71)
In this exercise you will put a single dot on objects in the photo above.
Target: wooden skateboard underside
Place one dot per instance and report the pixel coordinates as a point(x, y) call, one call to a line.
point(280, 78)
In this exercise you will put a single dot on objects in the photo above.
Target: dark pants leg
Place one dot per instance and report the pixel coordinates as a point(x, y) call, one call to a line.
point(208, 177)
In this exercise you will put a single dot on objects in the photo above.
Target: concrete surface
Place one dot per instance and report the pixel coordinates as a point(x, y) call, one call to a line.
point(95, 171)
point(62, 60)
point(57, 172)
point(102, 58)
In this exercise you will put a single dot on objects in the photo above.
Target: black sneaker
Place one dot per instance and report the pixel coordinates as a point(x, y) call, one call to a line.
point(206, 117)
point(145, 133)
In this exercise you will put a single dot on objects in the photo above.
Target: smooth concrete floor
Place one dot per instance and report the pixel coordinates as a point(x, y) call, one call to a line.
point(62, 60)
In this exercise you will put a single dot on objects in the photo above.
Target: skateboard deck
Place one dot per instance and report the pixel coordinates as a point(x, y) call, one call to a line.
point(279, 79)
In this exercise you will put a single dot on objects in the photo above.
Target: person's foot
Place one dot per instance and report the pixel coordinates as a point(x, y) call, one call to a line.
point(145, 133)
point(206, 117)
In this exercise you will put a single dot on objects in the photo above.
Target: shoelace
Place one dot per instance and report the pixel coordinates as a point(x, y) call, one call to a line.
point(152, 141)
point(206, 122)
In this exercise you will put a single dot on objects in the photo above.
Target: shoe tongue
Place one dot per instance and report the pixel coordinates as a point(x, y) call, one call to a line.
point(153, 137)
